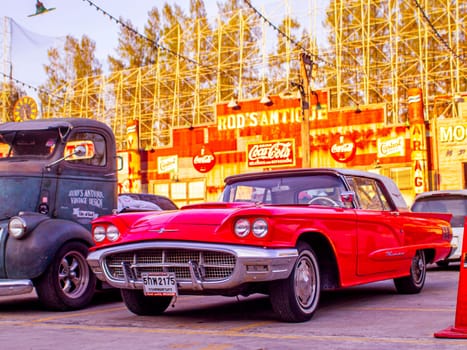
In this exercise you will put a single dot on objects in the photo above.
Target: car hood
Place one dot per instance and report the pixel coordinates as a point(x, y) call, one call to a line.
point(214, 222)
point(208, 222)
point(212, 214)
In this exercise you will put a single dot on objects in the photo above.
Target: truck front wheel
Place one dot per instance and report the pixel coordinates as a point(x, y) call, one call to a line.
point(68, 283)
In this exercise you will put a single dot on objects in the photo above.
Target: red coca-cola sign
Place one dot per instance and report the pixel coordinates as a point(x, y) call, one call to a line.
point(204, 160)
point(271, 153)
point(343, 148)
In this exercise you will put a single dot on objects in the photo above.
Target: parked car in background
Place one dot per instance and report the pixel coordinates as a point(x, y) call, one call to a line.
point(144, 201)
point(446, 201)
point(285, 233)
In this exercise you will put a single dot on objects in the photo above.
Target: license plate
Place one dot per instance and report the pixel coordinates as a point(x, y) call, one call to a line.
point(159, 284)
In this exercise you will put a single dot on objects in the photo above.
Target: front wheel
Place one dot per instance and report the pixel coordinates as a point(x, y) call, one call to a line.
point(295, 299)
point(413, 283)
point(68, 283)
point(142, 305)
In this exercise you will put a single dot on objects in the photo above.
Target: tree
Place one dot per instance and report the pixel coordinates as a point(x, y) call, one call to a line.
point(381, 49)
point(284, 61)
point(10, 93)
point(76, 63)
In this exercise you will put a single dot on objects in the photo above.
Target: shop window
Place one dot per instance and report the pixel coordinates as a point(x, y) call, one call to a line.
point(402, 177)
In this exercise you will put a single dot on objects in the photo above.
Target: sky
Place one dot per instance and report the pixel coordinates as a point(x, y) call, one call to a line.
point(34, 35)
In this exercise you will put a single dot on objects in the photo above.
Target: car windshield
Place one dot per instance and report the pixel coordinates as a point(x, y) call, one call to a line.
point(29, 143)
point(287, 190)
point(456, 205)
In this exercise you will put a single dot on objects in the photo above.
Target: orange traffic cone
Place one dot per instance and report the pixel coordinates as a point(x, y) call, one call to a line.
point(459, 330)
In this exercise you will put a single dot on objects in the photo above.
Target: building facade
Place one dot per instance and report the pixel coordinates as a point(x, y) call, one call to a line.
point(253, 135)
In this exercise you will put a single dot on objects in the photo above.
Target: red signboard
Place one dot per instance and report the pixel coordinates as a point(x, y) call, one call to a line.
point(204, 160)
point(269, 154)
point(343, 149)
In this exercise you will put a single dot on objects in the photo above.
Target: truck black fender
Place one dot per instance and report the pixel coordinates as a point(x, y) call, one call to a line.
point(29, 257)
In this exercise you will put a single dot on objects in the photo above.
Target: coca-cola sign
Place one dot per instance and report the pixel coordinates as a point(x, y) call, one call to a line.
point(271, 153)
point(204, 160)
point(343, 149)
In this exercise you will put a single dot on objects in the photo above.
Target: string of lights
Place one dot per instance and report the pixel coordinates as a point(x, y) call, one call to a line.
point(153, 42)
point(436, 32)
point(34, 88)
point(135, 32)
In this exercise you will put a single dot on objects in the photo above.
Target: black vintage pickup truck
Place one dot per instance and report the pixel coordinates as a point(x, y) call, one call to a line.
point(56, 176)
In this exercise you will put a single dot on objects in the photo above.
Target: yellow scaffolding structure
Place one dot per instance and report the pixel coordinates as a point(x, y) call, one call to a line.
point(379, 50)
point(382, 48)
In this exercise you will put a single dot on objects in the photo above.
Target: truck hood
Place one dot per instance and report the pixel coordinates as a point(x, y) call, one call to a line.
point(14, 197)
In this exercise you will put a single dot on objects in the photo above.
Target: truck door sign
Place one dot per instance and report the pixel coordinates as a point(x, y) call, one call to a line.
point(85, 198)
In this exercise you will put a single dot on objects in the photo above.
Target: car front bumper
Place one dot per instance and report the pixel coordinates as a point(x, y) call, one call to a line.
point(198, 266)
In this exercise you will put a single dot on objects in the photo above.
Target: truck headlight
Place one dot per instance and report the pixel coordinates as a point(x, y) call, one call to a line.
point(17, 227)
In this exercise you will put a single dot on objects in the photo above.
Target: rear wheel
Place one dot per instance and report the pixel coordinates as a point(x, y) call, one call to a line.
point(68, 283)
point(142, 305)
point(413, 283)
point(296, 298)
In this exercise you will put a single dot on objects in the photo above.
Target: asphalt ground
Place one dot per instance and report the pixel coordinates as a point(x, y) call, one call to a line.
point(372, 316)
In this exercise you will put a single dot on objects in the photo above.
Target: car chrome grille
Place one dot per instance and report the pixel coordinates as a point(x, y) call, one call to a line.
point(210, 265)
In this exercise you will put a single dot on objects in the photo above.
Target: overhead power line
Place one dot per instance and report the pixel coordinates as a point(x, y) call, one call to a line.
point(277, 29)
point(292, 41)
point(435, 31)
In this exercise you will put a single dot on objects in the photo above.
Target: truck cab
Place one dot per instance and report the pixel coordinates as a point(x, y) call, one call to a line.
point(56, 176)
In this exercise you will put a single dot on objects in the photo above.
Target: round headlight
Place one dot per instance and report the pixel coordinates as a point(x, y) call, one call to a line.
point(99, 233)
point(17, 227)
point(260, 228)
point(242, 227)
point(112, 233)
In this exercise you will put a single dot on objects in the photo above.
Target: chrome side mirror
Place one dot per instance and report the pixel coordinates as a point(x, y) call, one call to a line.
point(348, 197)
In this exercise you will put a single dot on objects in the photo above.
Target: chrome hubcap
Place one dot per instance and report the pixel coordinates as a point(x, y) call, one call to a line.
point(305, 282)
point(73, 275)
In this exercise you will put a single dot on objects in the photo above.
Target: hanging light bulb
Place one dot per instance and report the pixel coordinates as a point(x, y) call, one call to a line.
point(233, 104)
point(265, 100)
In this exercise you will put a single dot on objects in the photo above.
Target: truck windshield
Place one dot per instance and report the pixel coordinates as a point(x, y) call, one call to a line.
point(28, 143)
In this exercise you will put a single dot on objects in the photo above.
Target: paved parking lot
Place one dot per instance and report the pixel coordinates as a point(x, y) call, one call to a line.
point(366, 317)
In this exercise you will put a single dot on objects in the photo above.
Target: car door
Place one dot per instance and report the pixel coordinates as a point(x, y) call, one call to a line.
point(379, 228)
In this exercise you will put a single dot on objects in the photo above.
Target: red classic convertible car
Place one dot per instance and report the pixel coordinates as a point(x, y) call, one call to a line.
point(289, 234)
